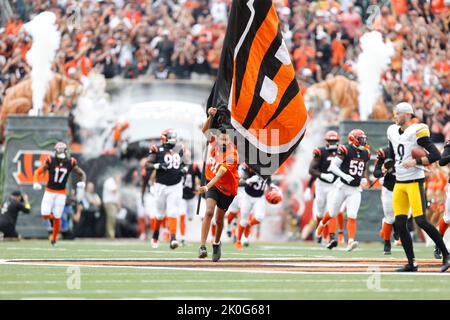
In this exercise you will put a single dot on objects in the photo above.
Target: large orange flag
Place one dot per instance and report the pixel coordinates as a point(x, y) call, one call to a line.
point(256, 90)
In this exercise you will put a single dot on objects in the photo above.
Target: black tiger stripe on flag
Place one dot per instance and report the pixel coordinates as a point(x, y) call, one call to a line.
point(256, 90)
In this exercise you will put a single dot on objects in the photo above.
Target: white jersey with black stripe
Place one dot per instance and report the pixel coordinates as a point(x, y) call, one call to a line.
point(403, 143)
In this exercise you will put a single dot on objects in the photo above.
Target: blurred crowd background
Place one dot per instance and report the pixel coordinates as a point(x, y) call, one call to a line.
point(182, 39)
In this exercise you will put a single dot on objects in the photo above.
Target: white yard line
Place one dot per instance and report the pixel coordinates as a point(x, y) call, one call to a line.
point(228, 270)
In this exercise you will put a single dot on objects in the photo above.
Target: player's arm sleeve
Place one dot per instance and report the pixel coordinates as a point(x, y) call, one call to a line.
point(25, 207)
point(391, 153)
point(335, 167)
point(314, 165)
point(445, 157)
point(433, 152)
point(377, 173)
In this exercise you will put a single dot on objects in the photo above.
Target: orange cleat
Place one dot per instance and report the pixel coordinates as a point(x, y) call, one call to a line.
point(238, 245)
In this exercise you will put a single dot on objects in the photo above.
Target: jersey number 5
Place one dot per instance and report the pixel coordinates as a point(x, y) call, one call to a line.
point(356, 168)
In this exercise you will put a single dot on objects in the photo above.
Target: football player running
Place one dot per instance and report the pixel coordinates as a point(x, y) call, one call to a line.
point(59, 167)
point(253, 201)
point(192, 175)
point(349, 165)
point(319, 171)
point(404, 136)
point(167, 161)
point(384, 169)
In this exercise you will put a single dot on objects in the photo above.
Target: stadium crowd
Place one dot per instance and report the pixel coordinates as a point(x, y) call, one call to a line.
point(182, 39)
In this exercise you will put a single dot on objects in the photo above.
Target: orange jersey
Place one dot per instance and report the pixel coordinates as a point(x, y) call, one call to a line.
point(228, 184)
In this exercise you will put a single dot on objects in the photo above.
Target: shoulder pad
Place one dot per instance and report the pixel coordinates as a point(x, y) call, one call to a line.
point(342, 149)
point(317, 152)
point(153, 149)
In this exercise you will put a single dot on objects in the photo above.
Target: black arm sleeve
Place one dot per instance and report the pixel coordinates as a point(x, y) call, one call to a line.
point(377, 173)
point(434, 154)
point(314, 168)
point(23, 208)
point(445, 157)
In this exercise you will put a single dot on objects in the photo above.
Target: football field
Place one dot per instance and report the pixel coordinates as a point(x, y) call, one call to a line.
point(131, 269)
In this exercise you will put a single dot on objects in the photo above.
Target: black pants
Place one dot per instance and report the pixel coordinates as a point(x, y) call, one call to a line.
point(8, 228)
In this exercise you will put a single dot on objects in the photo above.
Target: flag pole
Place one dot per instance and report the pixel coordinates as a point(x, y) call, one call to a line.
point(203, 176)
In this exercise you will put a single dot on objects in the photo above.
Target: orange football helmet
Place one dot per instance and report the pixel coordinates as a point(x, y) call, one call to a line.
point(332, 138)
point(358, 139)
point(169, 136)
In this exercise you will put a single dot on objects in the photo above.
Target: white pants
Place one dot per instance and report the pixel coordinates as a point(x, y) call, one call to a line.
point(322, 197)
point(343, 193)
point(256, 205)
point(53, 203)
point(168, 200)
point(148, 208)
point(386, 201)
point(447, 206)
point(236, 204)
point(189, 207)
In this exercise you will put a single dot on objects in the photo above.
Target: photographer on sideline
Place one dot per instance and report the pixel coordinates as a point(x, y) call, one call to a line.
point(10, 211)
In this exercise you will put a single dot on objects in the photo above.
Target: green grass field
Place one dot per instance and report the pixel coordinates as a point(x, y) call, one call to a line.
point(112, 282)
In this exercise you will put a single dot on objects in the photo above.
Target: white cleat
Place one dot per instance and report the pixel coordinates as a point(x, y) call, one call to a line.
point(352, 245)
point(154, 244)
point(245, 241)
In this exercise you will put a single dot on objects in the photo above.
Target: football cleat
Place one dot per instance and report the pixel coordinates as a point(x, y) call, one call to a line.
point(183, 243)
point(245, 242)
point(154, 243)
point(173, 243)
point(202, 252)
point(445, 264)
point(437, 253)
point(387, 247)
point(352, 245)
point(319, 240)
point(408, 268)
point(53, 243)
point(238, 245)
point(217, 252)
point(333, 242)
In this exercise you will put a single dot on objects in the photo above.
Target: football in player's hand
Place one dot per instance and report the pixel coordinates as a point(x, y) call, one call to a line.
point(418, 152)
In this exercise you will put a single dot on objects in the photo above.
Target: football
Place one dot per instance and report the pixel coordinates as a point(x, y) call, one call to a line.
point(274, 195)
point(418, 152)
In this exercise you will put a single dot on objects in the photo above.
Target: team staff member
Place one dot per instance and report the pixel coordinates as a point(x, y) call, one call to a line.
point(223, 177)
point(408, 192)
point(445, 220)
point(10, 211)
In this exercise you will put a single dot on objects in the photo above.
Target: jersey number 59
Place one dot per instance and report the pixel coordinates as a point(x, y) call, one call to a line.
point(356, 168)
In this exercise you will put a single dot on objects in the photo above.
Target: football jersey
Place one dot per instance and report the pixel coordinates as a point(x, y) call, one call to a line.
point(189, 181)
point(403, 143)
point(172, 161)
point(229, 182)
point(255, 189)
point(325, 156)
point(59, 170)
point(389, 178)
point(354, 163)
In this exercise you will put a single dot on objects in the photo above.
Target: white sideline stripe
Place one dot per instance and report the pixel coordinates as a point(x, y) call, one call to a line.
point(228, 270)
point(209, 281)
